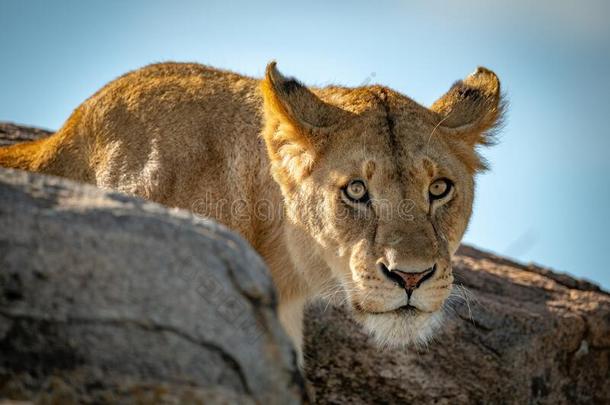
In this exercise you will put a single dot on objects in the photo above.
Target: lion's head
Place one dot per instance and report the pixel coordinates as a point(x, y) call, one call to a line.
point(378, 191)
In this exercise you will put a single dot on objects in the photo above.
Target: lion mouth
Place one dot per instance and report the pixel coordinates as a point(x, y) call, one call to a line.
point(407, 309)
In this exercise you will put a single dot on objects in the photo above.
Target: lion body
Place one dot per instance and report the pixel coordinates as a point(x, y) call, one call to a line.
point(223, 145)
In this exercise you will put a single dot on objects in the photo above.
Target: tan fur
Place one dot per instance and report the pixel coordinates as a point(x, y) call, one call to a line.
point(269, 157)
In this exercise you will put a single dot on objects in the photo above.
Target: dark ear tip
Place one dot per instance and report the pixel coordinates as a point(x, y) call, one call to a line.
point(279, 82)
point(271, 71)
point(485, 80)
point(271, 66)
point(483, 70)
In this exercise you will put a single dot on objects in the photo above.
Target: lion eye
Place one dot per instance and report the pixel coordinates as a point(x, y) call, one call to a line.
point(356, 191)
point(439, 188)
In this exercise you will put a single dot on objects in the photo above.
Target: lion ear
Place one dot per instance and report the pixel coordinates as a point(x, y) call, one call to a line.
point(291, 101)
point(472, 108)
point(297, 124)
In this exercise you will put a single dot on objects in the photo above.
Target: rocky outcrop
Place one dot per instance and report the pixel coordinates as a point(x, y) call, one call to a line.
point(11, 133)
point(106, 298)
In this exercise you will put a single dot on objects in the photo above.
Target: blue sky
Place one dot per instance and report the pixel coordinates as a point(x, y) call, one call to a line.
point(547, 197)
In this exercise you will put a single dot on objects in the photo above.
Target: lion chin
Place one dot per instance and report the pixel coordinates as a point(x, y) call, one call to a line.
point(399, 329)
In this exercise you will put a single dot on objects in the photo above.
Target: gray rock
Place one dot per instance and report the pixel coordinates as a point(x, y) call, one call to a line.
point(108, 298)
point(12, 133)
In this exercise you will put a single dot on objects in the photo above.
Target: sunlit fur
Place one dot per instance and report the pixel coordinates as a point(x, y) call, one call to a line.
point(393, 329)
point(199, 138)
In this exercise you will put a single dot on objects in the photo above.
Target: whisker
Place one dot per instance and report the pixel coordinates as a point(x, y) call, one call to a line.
point(436, 127)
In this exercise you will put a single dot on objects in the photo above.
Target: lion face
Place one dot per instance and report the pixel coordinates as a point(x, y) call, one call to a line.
point(380, 190)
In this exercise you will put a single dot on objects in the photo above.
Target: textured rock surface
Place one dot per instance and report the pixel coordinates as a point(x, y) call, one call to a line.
point(524, 335)
point(11, 133)
point(105, 298)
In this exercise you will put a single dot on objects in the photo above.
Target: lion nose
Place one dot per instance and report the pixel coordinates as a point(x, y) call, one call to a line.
point(408, 280)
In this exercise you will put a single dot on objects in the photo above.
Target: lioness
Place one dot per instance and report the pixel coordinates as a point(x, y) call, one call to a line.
point(369, 191)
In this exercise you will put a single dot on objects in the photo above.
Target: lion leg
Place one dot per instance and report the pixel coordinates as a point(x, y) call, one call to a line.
point(291, 317)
